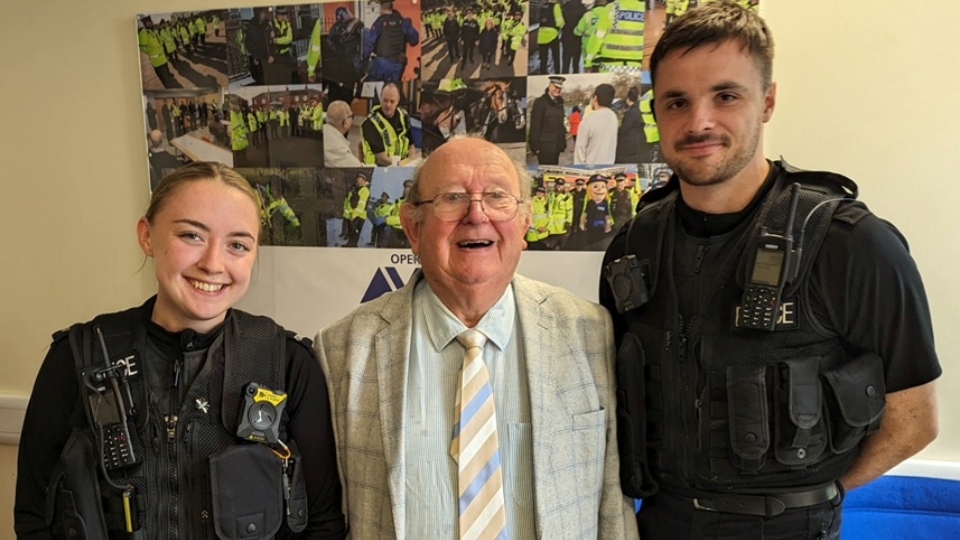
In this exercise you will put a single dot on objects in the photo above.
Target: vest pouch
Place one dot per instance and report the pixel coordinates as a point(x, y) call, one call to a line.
point(247, 492)
point(297, 514)
point(855, 399)
point(748, 417)
point(74, 506)
point(799, 432)
point(635, 478)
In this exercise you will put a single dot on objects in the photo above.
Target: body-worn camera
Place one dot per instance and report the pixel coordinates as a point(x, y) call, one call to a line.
point(625, 278)
point(260, 416)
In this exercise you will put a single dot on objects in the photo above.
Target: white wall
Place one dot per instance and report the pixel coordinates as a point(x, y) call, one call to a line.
point(865, 89)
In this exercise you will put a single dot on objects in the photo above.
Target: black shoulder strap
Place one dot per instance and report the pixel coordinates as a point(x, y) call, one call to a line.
point(122, 334)
point(821, 193)
point(254, 351)
point(646, 232)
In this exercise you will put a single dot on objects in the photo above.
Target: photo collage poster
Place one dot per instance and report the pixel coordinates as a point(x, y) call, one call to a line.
point(254, 88)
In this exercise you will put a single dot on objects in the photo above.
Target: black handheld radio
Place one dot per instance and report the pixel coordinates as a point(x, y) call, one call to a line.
point(771, 265)
point(112, 411)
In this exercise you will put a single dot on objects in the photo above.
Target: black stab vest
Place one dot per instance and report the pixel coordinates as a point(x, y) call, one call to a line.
point(391, 44)
point(729, 409)
point(173, 481)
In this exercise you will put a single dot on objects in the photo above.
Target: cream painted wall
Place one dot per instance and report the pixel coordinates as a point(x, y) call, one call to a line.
point(865, 89)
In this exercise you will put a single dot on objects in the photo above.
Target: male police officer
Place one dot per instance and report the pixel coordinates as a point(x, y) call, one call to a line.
point(548, 36)
point(750, 412)
point(548, 136)
point(386, 44)
point(152, 44)
point(281, 66)
point(618, 42)
point(386, 131)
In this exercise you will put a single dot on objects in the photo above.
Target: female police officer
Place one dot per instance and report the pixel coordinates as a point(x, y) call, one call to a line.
point(182, 418)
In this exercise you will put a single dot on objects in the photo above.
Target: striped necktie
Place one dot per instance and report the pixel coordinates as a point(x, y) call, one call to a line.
point(476, 448)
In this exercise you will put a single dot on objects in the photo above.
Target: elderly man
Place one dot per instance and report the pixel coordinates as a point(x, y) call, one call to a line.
point(336, 146)
point(386, 131)
point(519, 440)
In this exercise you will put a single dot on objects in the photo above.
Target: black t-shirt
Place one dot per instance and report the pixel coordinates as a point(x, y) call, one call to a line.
point(863, 285)
point(55, 400)
point(372, 136)
point(470, 31)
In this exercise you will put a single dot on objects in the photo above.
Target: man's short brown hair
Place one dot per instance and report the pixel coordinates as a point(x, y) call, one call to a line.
point(714, 24)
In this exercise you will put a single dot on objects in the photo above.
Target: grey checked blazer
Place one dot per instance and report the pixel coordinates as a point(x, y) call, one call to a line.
point(569, 352)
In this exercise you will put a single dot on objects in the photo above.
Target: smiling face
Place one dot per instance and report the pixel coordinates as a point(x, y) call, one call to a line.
point(204, 242)
point(711, 107)
point(598, 191)
point(474, 253)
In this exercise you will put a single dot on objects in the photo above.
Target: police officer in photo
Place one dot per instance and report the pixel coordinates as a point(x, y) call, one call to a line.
point(451, 33)
point(341, 56)
point(573, 11)
point(152, 44)
point(355, 208)
point(618, 39)
point(386, 131)
point(548, 135)
point(621, 202)
point(385, 46)
point(281, 64)
point(256, 40)
point(775, 342)
point(469, 35)
point(548, 36)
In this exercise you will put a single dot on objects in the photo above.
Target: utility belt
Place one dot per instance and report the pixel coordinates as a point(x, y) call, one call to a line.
point(763, 505)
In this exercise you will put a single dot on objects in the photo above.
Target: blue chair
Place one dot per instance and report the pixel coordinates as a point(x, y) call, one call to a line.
point(903, 508)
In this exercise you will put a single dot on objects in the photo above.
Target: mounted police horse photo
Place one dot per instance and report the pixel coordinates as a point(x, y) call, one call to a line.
point(494, 109)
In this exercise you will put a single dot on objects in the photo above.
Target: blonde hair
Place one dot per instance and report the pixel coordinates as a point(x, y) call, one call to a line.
point(195, 172)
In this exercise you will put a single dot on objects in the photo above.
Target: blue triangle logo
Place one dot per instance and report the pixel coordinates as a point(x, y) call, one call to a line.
point(384, 280)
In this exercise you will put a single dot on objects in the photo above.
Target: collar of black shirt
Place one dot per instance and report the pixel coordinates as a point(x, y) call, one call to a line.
point(704, 225)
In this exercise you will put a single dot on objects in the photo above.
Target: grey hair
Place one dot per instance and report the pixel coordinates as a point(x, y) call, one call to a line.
point(338, 112)
point(524, 180)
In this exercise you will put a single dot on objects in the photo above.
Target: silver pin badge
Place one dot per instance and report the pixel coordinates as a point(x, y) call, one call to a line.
point(203, 405)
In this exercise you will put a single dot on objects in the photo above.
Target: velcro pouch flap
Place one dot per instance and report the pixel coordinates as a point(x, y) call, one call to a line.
point(79, 502)
point(635, 477)
point(247, 492)
point(748, 415)
point(804, 398)
point(297, 516)
point(859, 389)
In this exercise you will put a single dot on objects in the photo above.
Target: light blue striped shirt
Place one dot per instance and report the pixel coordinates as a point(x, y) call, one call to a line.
point(435, 360)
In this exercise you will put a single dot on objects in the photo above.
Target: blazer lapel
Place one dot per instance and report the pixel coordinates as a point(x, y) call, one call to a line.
point(536, 328)
point(392, 345)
